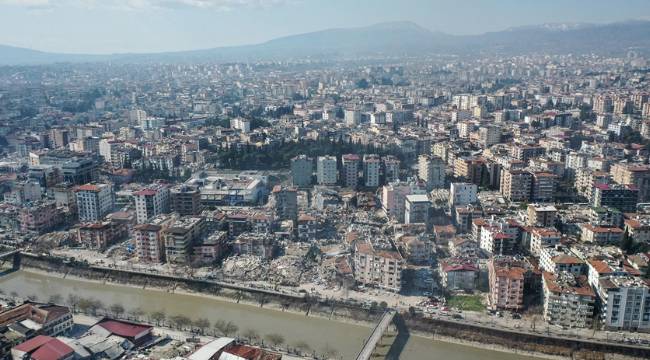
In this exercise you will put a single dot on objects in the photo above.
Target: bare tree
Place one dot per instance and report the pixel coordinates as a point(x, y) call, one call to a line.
point(202, 324)
point(329, 352)
point(117, 310)
point(275, 339)
point(302, 347)
point(180, 321)
point(137, 313)
point(251, 335)
point(226, 328)
point(73, 300)
point(158, 317)
point(55, 299)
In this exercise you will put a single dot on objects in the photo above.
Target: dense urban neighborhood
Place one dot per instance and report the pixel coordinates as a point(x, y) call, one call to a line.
point(493, 193)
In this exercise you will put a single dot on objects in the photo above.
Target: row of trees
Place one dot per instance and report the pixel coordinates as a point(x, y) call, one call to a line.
point(279, 156)
point(201, 326)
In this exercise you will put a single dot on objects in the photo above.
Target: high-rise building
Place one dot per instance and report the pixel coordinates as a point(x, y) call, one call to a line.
point(431, 170)
point(181, 236)
point(352, 117)
point(350, 170)
point(417, 209)
point(326, 170)
point(94, 201)
point(371, 169)
point(568, 300)
point(152, 201)
point(302, 169)
point(462, 194)
point(621, 197)
point(516, 185)
point(391, 168)
point(506, 279)
point(185, 200)
point(489, 135)
point(284, 202)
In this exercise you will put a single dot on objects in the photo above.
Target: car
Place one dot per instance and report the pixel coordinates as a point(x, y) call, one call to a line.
point(516, 316)
point(457, 316)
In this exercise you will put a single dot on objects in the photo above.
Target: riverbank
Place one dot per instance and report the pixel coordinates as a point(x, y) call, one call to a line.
point(317, 331)
point(278, 308)
point(181, 291)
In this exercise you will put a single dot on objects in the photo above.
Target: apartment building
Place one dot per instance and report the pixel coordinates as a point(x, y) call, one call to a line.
point(431, 170)
point(151, 201)
point(94, 201)
point(380, 268)
point(371, 170)
point(568, 300)
point(302, 171)
point(350, 171)
point(180, 236)
point(326, 170)
point(506, 279)
point(284, 202)
point(516, 185)
point(185, 200)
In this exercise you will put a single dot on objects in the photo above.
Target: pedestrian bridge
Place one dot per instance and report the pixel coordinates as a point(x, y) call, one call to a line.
point(376, 335)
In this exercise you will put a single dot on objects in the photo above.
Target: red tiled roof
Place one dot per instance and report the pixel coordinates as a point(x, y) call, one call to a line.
point(123, 328)
point(52, 350)
point(33, 343)
point(145, 192)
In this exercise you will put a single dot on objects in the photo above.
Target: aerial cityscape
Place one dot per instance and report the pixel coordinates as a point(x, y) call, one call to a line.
point(394, 188)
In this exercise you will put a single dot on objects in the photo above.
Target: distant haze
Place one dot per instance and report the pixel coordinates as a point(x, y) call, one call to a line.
point(143, 26)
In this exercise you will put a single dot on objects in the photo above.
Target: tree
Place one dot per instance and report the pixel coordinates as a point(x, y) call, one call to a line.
point(55, 299)
point(180, 321)
point(137, 313)
point(251, 335)
point(329, 352)
point(158, 317)
point(117, 310)
point(202, 324)
point(230, 329)
point(627, 244)
point(73, 300)
point(302, 347)
point(275, 339)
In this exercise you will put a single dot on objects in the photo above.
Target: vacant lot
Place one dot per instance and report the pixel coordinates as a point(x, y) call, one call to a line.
point(466, 302)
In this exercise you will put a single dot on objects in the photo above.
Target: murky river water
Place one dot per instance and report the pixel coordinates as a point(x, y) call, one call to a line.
point(317, 332)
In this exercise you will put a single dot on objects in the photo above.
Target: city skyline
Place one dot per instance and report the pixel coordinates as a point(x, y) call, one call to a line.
point(142, 26)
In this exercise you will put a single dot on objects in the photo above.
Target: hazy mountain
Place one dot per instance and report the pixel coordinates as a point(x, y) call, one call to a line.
point(395, 38)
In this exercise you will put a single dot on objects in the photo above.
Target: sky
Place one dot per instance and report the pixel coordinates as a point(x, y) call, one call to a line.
point(119, 26)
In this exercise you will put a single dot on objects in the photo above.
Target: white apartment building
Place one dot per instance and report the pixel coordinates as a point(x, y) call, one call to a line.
point(94, 201)
point(568, 300)
point(326, 170)
point(152, 201)
point(371, 168)
point(625, 303)
point(462, 194)
point(431, 169)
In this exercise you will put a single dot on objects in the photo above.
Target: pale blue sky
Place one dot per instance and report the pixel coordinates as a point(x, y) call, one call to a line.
point(108, 26)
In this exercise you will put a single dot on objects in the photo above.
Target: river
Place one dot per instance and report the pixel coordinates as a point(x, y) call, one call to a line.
point(319, 333)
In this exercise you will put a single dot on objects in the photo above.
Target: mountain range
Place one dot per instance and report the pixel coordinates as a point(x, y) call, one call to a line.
point(393, 38)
